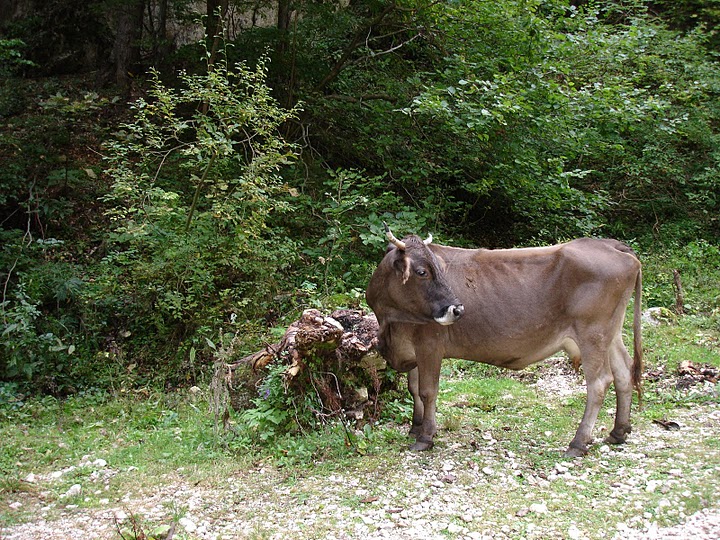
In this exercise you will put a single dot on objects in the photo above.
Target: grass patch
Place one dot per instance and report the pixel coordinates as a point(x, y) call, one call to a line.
point(497, 464)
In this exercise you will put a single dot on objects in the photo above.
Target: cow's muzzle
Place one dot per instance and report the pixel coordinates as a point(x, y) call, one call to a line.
point(450, 314)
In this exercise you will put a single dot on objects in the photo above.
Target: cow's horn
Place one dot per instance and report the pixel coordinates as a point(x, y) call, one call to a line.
point(391, 237)
point(428, 240)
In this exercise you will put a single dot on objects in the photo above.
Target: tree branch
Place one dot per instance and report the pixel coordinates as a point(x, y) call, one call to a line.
point(360, 99)
point(344, 59)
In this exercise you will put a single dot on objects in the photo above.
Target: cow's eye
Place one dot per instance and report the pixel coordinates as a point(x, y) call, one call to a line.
point(421, 272)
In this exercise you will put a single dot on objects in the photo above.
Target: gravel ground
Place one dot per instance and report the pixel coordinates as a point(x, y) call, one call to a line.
point(442, 508)
point(460, 490)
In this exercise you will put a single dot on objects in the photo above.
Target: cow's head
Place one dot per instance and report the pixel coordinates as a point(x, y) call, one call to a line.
point(410, 284)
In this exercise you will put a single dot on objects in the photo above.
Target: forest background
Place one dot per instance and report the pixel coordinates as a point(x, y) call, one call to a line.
point(165, 196)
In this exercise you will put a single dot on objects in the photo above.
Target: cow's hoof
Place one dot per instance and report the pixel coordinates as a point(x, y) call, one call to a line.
point(574, 452)
point(612, 439)
point(421, 446)
point(618, 435)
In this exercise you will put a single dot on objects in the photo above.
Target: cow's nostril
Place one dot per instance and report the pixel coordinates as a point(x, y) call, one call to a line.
point(458, 310)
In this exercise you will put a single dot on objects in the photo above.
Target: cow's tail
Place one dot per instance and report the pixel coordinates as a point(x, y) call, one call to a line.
point(637, 367)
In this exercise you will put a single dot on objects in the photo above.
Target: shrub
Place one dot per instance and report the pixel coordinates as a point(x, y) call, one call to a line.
point(194, 181)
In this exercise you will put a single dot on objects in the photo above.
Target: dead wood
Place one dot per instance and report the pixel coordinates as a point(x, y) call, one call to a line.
point(679, 295)
point(333, 356)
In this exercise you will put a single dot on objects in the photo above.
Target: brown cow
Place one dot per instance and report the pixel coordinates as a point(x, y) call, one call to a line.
point(509, 308)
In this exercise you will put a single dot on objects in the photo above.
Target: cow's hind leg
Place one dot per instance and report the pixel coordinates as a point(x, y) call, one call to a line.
point(621, 366)
point(418, 407)
point(598, 377)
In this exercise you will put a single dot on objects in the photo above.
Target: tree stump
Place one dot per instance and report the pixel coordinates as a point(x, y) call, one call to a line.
point(333, 356)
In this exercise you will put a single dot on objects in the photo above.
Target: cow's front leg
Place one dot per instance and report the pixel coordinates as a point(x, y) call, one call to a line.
point(418, 407)
point(428, 382)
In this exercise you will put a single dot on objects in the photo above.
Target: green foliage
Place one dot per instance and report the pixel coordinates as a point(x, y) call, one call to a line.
point(11, 57)
point(22, 346)
point(698, 264)
point(692, 15)
point(547, 124)
point(42, 319)
point(194, 183)
point(349, 212)
point(48, 336)
point(398, 410)
point(518, 122)
point(586, 125)
point(276, 410)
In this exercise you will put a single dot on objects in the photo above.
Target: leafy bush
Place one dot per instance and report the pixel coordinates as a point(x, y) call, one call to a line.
point(194, 183)
point(549, 123)
point(698, 264)
point(276, 410)
point(585, 126)
point(42, 322)
point(11, 57)
point(348, 239)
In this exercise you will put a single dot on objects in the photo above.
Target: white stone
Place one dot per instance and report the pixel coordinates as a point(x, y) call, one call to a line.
point(74, 490)
point(539, 508)
point(187, 524)
point(652, 485)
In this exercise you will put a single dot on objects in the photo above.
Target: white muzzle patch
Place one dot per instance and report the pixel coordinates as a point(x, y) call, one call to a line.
point(451, 315)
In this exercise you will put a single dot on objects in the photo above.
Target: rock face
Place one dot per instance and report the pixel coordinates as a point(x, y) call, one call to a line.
point(334, 355)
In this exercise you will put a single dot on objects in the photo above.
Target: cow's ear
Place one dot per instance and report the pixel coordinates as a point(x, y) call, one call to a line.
point(398, 263)
point(441, 263)
point(407, 267)
point(402, 265)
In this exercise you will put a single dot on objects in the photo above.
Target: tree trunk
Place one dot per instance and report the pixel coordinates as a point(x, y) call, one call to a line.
point(285, 83)
point(126, 48)
point(161, 45)
point(215, 26)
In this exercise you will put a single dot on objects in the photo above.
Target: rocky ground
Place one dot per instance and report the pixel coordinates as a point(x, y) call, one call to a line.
point(466, 488)
point(444, 504)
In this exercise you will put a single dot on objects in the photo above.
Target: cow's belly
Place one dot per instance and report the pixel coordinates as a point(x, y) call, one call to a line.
point(512, 352)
